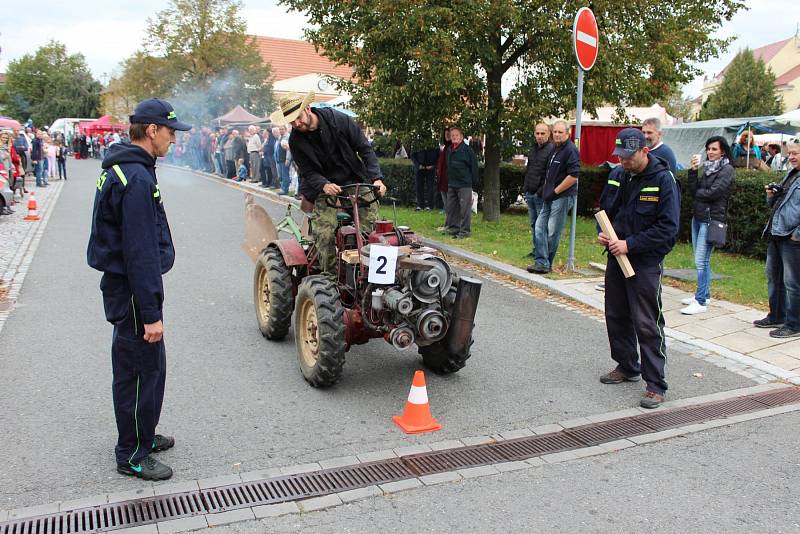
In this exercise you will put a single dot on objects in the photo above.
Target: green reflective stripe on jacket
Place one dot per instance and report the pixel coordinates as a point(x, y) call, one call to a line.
point(101, 181)
point(121, 175)
point(653, 189)
point(613, 182)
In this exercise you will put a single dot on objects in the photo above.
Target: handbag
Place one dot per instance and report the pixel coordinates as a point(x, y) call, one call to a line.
point(717, 232)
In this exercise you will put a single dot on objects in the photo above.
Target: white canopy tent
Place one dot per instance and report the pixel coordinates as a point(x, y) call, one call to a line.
point(690, 138)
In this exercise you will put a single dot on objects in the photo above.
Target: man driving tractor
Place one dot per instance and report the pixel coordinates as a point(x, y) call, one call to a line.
point(330, 151)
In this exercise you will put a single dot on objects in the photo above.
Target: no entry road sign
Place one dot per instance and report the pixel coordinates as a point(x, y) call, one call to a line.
point(585, 41)
point(585, 38)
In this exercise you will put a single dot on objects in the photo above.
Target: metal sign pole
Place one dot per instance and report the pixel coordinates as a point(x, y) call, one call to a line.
point(578, 113)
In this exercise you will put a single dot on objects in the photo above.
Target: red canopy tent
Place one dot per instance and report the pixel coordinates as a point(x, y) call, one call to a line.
point(101, 125)
point(597, 141)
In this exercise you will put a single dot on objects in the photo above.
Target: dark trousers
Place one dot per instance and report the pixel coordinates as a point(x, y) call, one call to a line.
point(272, 172)
point(633, 313)
point(783, 281)
point(62, 168)
point(426, 188)
point(231, 168)
point(458, 218)
point(140, 372)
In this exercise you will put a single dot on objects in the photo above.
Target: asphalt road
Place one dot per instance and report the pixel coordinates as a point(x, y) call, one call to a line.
point(234, 397)
point(740, 479)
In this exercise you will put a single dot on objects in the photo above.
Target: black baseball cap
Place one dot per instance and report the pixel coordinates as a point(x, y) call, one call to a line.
point(629, 141)
point(157, 111)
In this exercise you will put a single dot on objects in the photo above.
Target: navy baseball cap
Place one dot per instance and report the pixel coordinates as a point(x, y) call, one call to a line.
point(629, 142)
point(157, 111)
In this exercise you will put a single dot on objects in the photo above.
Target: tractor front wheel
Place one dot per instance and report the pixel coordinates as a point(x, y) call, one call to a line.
point(440, 360)
point(273, 294)
point(319, 331)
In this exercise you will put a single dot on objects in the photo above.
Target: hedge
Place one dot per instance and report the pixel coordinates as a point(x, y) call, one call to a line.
point(747, 209)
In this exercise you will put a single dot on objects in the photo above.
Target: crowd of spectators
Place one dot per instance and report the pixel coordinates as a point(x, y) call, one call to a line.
point(252, 153)
point(29, 152)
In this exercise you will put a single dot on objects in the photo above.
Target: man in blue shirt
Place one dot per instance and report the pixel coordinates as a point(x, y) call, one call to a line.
point(651, 128)
point(132, 245)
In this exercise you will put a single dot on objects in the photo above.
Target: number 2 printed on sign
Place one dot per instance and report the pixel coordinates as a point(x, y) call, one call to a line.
point(382, 263)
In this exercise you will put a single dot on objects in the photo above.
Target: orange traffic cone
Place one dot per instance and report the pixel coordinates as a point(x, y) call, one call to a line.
point(417, 416)
point(33, 210)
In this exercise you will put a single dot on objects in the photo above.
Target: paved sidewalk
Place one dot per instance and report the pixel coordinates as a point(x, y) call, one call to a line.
point(726, 329)
point(19, 241)
point(725, 324)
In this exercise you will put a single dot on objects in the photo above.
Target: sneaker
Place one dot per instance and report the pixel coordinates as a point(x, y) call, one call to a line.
point(618, 377)
point(689, 300)
point(427, 209)
point(162, 443)
point(651, 400)
point(784, 332)
point(537, 269)
point(694, 308)
point(417, 209)
point(148, 469)
point(766, 322)
point(600, 287)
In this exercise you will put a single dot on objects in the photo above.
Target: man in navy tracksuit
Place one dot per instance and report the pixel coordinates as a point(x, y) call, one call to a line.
point(132, 245)
point(643, 203)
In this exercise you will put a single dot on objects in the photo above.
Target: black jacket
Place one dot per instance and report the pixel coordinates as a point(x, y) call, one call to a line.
point(269, 148)
point(646, 211)
point(36, 149)
point(564, 161)
point(710, 193)
point(427, 157)
point(130, 234)
point(351, 157)
point(239, 149)
point(537, 165)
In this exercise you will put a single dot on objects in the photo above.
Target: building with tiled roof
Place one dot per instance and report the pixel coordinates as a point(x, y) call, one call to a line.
point(298, 67)
point(783, 57)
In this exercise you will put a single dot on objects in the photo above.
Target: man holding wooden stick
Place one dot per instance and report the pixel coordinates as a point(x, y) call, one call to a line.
point(644, 213)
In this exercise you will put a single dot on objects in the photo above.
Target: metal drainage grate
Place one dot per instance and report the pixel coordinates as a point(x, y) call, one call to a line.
point(694, 414)
point(597, 433)
point(778, 397)
point(275, 490)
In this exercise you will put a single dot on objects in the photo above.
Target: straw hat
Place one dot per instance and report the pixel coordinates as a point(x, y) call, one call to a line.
point(290, 106)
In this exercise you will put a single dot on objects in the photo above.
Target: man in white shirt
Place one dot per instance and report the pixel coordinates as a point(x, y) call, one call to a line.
point(254, 151)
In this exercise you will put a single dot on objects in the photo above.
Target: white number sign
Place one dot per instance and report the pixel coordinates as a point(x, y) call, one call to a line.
point(382, 263)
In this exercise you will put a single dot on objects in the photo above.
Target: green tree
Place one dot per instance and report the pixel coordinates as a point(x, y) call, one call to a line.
point(197, 53)
point(422, 63)
point(678, 105)
point(49, 84)
point(747, 90)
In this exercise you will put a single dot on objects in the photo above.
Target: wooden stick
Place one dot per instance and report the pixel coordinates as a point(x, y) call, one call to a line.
point(608, 229)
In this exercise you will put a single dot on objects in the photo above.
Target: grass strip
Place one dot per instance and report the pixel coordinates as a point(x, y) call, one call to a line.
point(509, 240)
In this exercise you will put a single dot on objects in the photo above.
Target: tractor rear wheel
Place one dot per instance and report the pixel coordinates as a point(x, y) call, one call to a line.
point(441, 361)
point(319, 331)
point(273, 294)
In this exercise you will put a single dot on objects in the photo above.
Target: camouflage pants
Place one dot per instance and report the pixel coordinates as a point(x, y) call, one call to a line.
point(324, 226)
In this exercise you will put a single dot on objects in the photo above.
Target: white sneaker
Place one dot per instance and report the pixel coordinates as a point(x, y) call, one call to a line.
point(689, 300)
point(693, 308)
